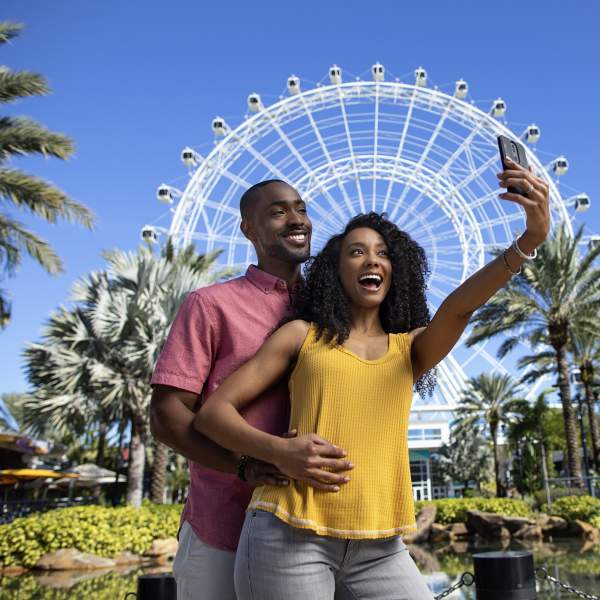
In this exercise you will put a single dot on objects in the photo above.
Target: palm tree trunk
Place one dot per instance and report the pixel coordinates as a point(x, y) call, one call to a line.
point(159, 472)
point(564, 390)
point(499, 486)
point(102, 431)
point(589, 399)
point(137, 460)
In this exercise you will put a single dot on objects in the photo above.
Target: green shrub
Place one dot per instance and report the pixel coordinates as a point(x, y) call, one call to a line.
point(570, 508)
point(453, 510)
point(95, 529)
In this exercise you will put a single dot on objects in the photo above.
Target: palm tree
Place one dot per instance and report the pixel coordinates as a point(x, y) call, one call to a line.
point(465, 458)
point(104, 350)
point(488, 402)
point(21, 136)
point(555, 294)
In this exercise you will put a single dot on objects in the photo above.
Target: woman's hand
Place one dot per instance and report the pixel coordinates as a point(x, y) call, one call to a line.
point(534, 201)
point(306, 457)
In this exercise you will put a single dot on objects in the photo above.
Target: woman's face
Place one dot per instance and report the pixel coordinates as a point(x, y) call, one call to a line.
point(365, 269)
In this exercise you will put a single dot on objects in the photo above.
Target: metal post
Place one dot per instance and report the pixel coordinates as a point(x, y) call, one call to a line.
point(504, 575)
point(156, 586)
point(583, 443)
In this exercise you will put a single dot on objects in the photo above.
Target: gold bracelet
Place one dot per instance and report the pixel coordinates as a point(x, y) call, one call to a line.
point(513, 273)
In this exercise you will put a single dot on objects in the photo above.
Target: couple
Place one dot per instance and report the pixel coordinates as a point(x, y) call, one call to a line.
point(360, 337)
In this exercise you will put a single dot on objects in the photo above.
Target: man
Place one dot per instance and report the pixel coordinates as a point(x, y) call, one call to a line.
point(217, 329)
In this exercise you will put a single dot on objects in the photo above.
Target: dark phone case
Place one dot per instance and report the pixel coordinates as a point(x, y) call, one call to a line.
point(513, 150)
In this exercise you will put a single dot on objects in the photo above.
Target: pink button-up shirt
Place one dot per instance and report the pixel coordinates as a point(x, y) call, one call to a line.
point(217, 329)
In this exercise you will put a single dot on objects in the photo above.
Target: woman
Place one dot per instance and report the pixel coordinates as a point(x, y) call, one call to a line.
point(361, 340)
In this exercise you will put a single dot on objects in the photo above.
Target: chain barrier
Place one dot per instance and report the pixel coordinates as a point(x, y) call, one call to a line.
point(466, 579)
point(542, 575)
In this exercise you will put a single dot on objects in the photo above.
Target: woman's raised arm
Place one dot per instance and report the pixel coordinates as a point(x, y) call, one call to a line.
point(432, 343)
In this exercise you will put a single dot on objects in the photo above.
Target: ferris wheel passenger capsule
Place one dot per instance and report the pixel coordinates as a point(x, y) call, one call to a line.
point(219, 126)
point(532, 134)
point(254, 103)
point(582, 202)
point(189, 157)
point(378, 71)
point(560, 166)
point(335, 75)
point(461, 89)
point(293, 85)
point(498, 108)
point(149, 234)
point(420, 77)
point(164, 195)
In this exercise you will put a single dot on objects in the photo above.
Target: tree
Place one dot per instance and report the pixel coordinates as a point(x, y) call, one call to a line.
point(488, 402)
point(22, 136)
point(555, 294)
point(465, 458)
point(99, 356)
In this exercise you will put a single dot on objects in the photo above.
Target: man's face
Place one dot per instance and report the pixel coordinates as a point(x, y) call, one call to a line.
point(279, 227)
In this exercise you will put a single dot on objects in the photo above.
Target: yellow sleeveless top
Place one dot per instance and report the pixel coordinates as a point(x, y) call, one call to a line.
point(363, 407)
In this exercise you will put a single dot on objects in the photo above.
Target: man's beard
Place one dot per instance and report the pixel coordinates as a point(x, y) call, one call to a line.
point(280, 252)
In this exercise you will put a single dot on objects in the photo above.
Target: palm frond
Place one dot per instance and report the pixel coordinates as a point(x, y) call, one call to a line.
point(21, 84)
point(9, 30)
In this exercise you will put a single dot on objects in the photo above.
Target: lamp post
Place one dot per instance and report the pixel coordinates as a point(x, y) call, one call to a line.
point(579, 400)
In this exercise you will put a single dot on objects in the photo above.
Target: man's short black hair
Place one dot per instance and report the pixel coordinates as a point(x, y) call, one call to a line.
point(252, 195)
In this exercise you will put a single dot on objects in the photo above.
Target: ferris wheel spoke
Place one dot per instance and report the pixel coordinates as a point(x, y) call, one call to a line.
point(351, 149)
point(400, 148)
point(297, 155)
point(375, 146)
point(445, 168)
point(427, 149)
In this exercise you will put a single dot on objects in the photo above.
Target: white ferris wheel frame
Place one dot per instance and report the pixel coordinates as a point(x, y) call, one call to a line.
point(431, 182)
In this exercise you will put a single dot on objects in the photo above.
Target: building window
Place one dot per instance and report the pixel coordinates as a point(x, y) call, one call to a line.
point(428, 434)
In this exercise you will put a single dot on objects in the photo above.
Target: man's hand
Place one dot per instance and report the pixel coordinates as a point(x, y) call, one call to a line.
point(314, 460)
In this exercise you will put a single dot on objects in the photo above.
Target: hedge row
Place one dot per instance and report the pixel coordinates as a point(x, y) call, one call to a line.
point(454, 510)
point(584, 508)
point(95, 529)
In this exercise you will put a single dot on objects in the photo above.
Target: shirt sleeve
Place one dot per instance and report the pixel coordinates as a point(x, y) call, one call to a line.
point(187, 356)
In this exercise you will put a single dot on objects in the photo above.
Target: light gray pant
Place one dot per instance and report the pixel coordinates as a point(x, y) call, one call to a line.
point(275, 561)
point(201, 571)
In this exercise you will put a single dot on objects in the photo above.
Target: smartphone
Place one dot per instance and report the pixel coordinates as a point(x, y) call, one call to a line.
point(514, 150)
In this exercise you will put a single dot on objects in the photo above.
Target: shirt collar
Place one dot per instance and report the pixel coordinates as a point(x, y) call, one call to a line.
point(266, 282)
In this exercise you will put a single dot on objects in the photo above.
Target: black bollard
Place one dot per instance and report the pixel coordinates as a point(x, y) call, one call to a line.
point(504, 575)
point(157, 586)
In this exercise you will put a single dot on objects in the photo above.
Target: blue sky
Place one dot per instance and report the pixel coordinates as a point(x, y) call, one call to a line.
point(134, 82)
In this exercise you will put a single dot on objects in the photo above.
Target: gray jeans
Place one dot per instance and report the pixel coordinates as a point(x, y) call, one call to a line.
point(275, 561)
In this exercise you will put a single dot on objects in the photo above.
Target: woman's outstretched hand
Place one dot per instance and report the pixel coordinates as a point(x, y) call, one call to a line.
point(534, 201)
point(314, 460)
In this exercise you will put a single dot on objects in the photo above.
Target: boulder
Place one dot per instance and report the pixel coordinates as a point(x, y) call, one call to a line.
point(530, 533)
point(425, 520)
point(163, 548)
point(555, 526)
point(439, 533)
point(128, 558)
point(585, 530)
point(458, 531)
point(72, 559)
point(487, 525)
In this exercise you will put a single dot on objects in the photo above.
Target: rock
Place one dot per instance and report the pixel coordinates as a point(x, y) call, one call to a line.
point(487, 525)
point(425, 520)
point(514, 524)
point(458, 531)
point(128, 558)
point(555, 526)
point(585, 530)
point(459, 547)
point(163, 548)
point(438, 533)
point(531, 533)
point(13, 571)
point(71, 558)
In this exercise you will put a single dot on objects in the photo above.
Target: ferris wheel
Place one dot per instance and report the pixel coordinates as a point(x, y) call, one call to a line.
point(425, 155)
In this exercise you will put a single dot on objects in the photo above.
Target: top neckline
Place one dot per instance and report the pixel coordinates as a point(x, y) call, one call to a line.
point(374, 361)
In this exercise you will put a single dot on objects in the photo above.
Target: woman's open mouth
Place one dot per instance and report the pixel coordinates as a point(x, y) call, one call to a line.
point(370, 281)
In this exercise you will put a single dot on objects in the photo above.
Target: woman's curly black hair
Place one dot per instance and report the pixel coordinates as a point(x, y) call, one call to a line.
point(322, 300)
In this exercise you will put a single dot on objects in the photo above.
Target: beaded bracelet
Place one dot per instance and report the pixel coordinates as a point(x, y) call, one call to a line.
point(513, 273)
